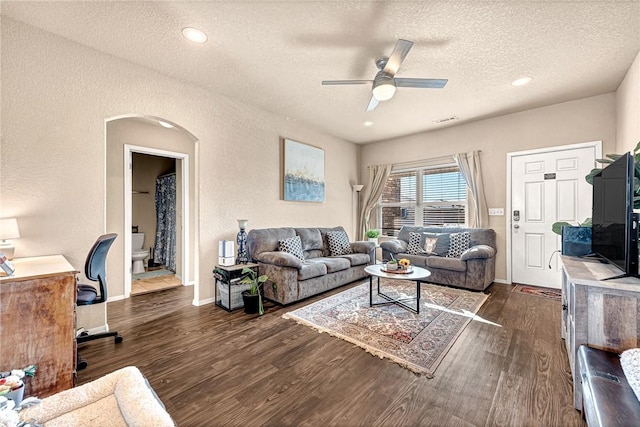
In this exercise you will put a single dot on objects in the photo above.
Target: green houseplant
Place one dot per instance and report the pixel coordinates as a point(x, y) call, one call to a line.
point(373, 235)
point(253, 296)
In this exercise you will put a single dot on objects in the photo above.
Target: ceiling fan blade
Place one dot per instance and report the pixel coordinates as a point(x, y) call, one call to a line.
point(400, 52)
point(346, 82)
point(372, 104)
point(422, 83)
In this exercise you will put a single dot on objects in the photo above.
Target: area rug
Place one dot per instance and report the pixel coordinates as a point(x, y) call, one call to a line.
point(417, 342)
point(152, 274)
point(539, 291)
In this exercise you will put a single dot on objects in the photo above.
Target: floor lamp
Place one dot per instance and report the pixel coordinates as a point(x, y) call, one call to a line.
point(357, 188)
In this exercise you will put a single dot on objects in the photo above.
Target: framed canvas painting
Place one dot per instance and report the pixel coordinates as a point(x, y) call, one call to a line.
point(303, 172)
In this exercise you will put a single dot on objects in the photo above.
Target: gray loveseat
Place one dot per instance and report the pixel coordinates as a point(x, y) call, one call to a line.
point(319, 272)
point(474, 269)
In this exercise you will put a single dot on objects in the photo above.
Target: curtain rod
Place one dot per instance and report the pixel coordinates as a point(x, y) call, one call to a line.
point(434, 161)
point(166, 174)
point(422, 163)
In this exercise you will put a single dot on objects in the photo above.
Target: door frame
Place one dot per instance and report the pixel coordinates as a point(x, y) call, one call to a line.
point(128, 204)
point(508, 222)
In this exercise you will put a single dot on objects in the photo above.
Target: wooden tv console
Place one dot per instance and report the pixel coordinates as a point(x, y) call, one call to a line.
point(603, 314)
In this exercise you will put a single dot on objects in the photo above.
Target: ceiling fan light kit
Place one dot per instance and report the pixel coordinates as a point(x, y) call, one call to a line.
point(383, 87)
point(384, 84)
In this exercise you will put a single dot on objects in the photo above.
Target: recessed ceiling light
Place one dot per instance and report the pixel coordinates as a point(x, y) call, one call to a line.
point(522, 81)
point(194, 34)
point(165, 124)
point(368, 124)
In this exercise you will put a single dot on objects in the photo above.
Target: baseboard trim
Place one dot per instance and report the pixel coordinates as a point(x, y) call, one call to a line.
point(116, 298)
point(503, 281)
point(203, 302)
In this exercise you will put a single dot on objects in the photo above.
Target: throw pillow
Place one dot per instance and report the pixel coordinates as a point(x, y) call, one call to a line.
point(414, 247)
point(430, 245)
point(293, 246)
point(436, 243)
point(338, 243)
point(459, 243)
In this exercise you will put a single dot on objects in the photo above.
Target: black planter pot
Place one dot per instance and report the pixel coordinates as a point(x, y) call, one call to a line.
point(251, 302)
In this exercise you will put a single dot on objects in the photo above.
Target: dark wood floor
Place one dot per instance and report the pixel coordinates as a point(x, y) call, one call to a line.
point(212, 368)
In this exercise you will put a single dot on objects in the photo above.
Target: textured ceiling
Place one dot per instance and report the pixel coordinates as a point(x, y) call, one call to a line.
point(274, 54)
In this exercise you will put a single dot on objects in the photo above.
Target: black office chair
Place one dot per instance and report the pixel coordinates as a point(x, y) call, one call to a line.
point(95, 270)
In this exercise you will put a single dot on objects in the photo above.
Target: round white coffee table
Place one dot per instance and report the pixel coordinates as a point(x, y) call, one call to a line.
point(377, 270)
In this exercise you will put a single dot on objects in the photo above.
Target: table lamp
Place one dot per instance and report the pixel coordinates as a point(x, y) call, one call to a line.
point(8, 230)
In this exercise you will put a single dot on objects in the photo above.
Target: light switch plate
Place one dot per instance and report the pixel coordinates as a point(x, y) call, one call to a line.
point(496, 211)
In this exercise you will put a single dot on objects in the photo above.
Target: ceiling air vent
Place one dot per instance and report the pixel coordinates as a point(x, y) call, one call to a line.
point(448, 119)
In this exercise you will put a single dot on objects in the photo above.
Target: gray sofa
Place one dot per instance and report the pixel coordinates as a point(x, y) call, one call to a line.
point(319, 272)
point(474, 269)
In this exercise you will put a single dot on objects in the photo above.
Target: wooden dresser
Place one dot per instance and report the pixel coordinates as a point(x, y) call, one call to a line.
point(604, 314)
point(37, 322)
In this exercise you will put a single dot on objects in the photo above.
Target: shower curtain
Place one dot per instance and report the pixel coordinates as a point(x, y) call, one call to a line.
point(165, 252)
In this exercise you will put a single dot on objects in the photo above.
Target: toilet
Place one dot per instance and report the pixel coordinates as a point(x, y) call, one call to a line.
point(137, 253)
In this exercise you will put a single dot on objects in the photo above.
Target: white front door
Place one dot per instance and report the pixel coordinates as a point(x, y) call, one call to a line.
point(546, 187)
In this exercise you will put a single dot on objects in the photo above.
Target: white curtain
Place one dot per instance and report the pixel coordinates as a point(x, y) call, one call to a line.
point(469, 164)
point(378, 176)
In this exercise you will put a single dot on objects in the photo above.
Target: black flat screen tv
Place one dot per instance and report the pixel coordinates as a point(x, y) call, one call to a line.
point(615, 225)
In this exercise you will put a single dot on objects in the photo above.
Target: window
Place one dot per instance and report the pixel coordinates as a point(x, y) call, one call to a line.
point(426, 196)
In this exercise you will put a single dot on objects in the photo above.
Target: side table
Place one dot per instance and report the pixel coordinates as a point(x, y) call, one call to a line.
point(228, 290)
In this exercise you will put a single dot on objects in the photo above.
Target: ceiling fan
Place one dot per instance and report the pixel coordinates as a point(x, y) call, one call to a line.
point(384, 84)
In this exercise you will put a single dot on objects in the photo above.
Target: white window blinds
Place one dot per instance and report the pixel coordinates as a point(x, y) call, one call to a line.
point(444, 195)
point(424, 196)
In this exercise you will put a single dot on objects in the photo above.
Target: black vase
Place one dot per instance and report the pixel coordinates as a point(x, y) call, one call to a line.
point(251, 302)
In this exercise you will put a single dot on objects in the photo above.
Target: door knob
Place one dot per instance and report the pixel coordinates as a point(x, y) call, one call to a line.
point(516, 226)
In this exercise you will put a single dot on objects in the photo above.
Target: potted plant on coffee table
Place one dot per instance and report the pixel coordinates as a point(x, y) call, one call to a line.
point(253, 296)
point(391, 265)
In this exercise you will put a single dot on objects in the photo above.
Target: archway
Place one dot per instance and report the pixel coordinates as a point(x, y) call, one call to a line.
point(151, 135)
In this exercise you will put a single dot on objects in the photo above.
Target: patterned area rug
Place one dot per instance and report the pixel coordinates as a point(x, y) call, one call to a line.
point(554, 294)
point(417, 342)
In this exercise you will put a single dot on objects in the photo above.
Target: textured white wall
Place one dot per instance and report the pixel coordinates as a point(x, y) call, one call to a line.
point(584, 120)
point(628, 109)
point(56, 97)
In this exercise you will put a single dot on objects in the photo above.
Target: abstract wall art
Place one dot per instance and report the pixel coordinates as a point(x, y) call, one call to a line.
point(303, 172)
